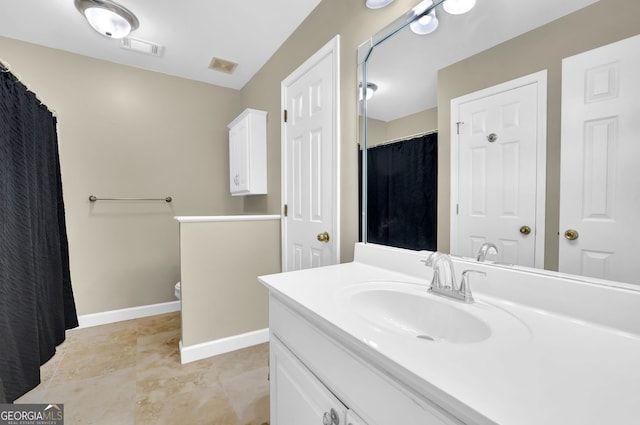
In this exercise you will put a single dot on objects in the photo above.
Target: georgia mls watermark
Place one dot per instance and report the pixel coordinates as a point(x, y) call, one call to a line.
point(31, 414)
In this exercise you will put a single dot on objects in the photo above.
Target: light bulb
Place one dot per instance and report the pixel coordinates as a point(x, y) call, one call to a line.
point(107, 23)
point(458, 7)
point(426, 24)
point(368, 92)
point(377, 4)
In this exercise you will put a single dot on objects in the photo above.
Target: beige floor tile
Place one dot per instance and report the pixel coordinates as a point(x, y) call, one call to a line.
point(231, 364)
point(108, 399)
point(97, 351)
point(158, 324)
point(211, 409)
point(130, 373)
point(248, 393)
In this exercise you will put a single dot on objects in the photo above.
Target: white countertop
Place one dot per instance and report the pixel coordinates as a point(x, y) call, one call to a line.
point(219, 218)
point(537, 368)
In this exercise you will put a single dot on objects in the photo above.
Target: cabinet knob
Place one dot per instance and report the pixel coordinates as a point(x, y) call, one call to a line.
point(330, 418)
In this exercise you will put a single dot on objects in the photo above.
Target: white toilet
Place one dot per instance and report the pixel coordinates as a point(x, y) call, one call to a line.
point(177, 290)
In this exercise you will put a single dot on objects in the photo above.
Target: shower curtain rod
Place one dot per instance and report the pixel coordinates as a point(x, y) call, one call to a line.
point(403, 138)
point(5, 67)
point(93, 198)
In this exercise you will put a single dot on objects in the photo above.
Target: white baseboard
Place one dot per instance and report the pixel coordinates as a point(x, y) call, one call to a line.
point(221, 346)
point(106, 317)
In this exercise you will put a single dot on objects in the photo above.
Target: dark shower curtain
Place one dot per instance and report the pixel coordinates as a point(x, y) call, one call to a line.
point(402, 193)
point(36, 300)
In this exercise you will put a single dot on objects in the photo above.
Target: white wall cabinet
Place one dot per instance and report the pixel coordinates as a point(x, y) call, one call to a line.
point(312, 372)
point(248, 153)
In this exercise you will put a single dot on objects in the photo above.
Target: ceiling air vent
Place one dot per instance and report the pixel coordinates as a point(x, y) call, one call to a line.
point(142, 46)
point(222, 65)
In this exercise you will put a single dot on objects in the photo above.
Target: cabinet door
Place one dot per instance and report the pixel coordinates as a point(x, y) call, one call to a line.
point(297, 396)
point(239, 157)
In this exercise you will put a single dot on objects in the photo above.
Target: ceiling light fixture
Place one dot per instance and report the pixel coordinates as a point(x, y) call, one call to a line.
point(107, 17)
point(377, 4)
point(425, 24)
point(370, 90)
point(458, 7)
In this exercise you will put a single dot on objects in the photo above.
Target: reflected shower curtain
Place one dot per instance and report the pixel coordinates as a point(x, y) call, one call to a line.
point(402, 193)
point(36, 300)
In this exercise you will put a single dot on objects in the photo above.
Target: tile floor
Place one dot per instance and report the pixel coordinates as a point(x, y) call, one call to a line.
point(130, 373)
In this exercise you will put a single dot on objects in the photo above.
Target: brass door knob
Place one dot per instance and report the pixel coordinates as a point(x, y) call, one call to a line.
point(525, 230)
point(323, 237)
point(571, 234)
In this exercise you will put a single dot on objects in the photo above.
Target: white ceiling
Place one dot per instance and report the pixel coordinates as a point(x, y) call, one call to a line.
point(247, 32)
point(250, 31)
point(405, 66)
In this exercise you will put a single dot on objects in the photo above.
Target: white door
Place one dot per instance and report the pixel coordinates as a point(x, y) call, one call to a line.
point(297, 396)
point(496, 171)
point(600, 172)
point(310, 166)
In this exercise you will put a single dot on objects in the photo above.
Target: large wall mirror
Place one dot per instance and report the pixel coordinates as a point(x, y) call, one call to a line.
point(423, 84)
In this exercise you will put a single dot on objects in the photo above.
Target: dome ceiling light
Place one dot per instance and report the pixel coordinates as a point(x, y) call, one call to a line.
point(425, 24)
point(458, 7)
point(368, 92)
point(107, 17)
point(377, 4)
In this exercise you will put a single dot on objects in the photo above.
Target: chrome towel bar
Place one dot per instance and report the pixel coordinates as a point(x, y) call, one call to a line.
point(93, 198)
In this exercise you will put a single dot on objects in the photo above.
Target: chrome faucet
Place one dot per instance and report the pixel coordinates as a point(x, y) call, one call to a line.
point(484, 250)
point(438, 281)
point(445, 283)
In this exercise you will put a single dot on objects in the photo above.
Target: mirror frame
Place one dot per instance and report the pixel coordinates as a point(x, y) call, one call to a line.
point(364, 53)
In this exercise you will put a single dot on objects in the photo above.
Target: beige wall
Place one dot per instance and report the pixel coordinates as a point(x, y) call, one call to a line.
point(380, 132)
point(126, 132)
point(220, 294)
point(602, 23)
point(355, 24)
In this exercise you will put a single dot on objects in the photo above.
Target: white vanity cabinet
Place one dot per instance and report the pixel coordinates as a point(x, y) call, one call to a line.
point(313, 371)
point(248, 153)
point(298, 397)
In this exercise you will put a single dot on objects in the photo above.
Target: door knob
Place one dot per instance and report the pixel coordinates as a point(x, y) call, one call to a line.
point(525, 230)
point(323, 237)
point(571, 234)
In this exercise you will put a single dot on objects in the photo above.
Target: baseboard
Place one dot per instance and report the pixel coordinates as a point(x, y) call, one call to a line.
point(106, 317)
point(221, 346)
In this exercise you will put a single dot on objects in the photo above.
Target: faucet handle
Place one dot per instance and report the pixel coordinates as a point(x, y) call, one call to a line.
point(465, 286)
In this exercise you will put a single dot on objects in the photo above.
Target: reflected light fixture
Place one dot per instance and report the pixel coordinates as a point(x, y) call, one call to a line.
point(107, 17)
point(370, 90)
point(377, 4)
point(425, 24)
point(458, 7)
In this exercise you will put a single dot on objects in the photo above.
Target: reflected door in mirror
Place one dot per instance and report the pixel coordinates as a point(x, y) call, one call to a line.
point(600, 169)
point(496, 173)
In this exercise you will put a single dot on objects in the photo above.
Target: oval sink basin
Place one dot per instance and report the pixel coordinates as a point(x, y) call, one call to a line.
point(418, 314)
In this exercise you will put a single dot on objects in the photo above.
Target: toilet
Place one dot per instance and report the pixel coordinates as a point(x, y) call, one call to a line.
point(177, 290)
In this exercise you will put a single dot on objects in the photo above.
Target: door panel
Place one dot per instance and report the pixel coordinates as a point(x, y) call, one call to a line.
point(310, 168)
point(599, 172)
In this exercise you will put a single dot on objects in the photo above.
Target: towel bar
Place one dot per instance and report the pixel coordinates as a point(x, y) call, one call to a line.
point(93, 198)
